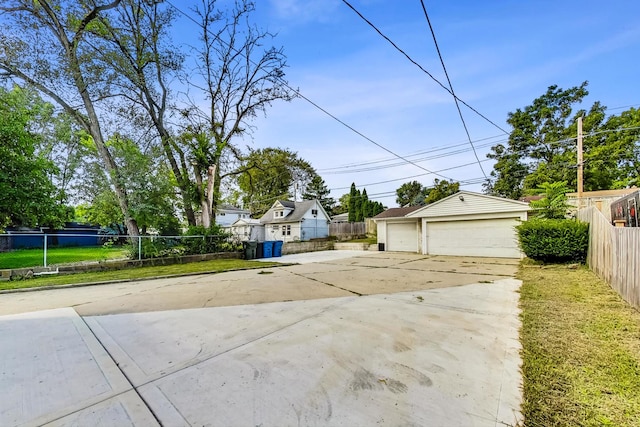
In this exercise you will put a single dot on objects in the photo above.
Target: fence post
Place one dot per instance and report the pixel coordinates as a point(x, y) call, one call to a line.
point(45, 250)
point(139, 248)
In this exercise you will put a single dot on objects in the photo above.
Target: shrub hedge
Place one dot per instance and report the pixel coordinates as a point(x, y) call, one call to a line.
point(554, 240)
point(197, 240)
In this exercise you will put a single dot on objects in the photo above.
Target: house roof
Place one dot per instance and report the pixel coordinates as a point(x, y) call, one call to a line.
point(245, 221)
point(229, 208)
point(299, 209)
point(287, 203)
point(396, 212)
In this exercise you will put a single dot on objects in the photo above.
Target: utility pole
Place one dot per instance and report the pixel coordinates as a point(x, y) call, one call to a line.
point(580, 171)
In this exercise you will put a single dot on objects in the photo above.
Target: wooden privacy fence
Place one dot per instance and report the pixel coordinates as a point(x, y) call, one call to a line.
point(614, 254)
point(348, 229)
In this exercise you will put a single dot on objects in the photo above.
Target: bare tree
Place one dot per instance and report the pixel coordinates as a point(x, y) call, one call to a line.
point(45, 44)
point(232, 81)
point(239, 79)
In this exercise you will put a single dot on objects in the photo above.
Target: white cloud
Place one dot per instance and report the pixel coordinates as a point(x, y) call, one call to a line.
point(303, 11)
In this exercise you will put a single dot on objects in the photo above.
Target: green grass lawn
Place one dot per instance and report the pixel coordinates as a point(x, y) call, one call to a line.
point(213, 266)
point(581, 350)
point(35, 257)
point(368, 240)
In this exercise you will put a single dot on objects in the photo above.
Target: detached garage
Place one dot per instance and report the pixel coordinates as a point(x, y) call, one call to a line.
point(464, 224)
point(471, 224)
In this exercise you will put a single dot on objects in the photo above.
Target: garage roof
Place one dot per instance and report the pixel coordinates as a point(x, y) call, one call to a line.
point(396, 212)
point(469, 203)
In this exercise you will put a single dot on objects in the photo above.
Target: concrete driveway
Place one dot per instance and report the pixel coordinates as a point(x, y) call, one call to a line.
point(343, 338)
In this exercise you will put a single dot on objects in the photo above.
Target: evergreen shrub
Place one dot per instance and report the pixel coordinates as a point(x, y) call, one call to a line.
point(554, 240)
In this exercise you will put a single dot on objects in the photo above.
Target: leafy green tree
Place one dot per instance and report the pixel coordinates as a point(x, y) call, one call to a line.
point(442, 189)
point(133, 40)
point(48, 45)
point(509, 172)
point(269, 174)
point(27, 195)
point(408, 193)
point(612, 156)
point(317, 189)
point(553, 204)
point(343, 205)
point(353, 194)
point(541, 147)
point(152, 195)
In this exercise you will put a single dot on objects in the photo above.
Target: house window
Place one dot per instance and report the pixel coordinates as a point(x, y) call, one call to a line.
point(286, 230)
point(314, 212)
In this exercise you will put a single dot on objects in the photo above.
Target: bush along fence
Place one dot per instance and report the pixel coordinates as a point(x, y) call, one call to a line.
point(613, 254)
point(44, 250)
point(554, 240)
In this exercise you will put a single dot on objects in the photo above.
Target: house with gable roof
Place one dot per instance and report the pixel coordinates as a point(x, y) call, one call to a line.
point(226, 215)
point(292, 221)
point(247, 229)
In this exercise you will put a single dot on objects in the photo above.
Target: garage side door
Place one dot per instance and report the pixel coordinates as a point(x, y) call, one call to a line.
point(487, 237)
point(402, 237)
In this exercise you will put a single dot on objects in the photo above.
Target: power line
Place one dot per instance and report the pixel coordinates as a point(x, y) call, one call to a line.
point(386, 194)
point(455, 98)
point(396, 164)
point(421, 68)
point(366, 137)
point(622, 107)
point(298, 93)
point(417, 153)
point(407, 177)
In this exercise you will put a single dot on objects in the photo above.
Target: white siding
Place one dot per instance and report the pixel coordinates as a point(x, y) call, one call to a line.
point(485, 237)
point(472, 204)
point(274, 232)
point(381, 230)
point(320, 215)
point(402, 236)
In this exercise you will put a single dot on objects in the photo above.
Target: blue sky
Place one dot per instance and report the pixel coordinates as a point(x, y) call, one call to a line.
point(500, 55)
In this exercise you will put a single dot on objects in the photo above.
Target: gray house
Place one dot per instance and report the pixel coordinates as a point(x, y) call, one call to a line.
point(226, 215)
point(293, 221)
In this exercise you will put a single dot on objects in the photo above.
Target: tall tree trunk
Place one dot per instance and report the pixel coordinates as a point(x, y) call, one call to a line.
point(204, 217)
point(206, 197)
point(111, 167)
point(181, 178)
point(209, 196)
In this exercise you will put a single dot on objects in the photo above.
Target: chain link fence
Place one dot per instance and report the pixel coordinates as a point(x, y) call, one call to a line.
point(20, 250)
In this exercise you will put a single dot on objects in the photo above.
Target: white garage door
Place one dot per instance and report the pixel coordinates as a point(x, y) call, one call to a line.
point(402, 236)
point(487, 237)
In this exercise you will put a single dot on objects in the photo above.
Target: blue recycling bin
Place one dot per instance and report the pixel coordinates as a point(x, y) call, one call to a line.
point(268, 249)
point(277, 248)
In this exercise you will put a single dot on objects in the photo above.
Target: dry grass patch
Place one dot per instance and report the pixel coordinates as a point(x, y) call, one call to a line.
point(581, 350)
point(151, 272)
